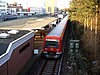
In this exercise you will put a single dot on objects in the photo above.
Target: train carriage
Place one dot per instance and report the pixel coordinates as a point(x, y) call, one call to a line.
point(53, 42)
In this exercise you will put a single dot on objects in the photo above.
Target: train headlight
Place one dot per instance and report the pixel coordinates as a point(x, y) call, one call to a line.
point(46, 49)
point(57, 49)
point(51, 49)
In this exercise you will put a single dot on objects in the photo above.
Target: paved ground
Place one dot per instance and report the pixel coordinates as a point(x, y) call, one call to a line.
point(26, 24)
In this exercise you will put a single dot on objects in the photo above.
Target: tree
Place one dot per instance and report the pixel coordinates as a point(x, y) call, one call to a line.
point(83, 11)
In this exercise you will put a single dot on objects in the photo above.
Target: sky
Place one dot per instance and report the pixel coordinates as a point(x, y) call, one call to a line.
point(40, 3)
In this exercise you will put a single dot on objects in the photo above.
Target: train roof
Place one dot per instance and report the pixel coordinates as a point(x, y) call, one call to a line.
point(9, 41)
point(57, 31)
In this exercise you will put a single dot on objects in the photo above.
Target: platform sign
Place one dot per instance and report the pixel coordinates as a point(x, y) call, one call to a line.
point(36, 51)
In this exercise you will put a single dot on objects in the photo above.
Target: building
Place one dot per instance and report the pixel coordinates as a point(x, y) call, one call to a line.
point(37, 10)
point(51, 6)
point(14, 8)
point(3, 7)
point(16, 48)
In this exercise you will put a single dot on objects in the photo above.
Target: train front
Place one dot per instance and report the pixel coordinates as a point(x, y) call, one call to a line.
point(52, 47)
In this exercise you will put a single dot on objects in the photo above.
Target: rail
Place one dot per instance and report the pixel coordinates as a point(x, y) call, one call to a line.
point(48, 67)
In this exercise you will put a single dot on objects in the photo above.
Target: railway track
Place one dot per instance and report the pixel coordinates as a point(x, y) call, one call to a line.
point(47, 67)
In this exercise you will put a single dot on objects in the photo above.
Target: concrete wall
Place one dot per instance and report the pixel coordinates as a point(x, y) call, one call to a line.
point(18, 59)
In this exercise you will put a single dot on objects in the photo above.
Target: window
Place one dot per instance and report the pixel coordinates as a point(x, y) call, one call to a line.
point(53, 44)
point(2, 6)
point(49, 9)
point(23, 48)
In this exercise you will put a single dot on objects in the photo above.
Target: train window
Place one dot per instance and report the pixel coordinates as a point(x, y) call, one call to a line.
point(52, 44)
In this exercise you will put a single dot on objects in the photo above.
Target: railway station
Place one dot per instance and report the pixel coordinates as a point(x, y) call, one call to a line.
point(17, 41)
point(50, 37)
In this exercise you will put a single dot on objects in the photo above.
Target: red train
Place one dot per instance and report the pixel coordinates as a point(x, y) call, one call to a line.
point(53, 42)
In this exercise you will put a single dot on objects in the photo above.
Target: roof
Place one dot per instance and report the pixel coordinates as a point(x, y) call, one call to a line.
point(7, 45)
point(57, 31)
point(5, 42)
point(27, 24)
